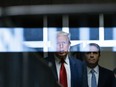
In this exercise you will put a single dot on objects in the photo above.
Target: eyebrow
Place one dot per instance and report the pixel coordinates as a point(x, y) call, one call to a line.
point(92, 52)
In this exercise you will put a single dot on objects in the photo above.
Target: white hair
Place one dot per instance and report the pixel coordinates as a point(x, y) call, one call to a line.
point(59, 33)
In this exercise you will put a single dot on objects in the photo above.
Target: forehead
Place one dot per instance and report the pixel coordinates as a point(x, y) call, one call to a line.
point(62, 37)
point(93, 48)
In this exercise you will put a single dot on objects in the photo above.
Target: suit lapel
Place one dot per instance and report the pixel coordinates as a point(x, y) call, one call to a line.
point(85, 76)
point(71, 70)
point(101, 77)
point(54, 69)
point(51, 59)
point(72, 64)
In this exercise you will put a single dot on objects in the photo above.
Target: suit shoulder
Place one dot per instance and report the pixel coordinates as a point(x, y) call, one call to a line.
point(76, 60)
point(106, 70)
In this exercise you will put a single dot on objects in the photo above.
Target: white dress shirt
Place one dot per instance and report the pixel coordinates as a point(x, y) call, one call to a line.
point(96, 69)
point(67, 67)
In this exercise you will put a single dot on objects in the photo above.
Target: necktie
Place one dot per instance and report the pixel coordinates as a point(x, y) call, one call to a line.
point(93, 79)
point(63, 75)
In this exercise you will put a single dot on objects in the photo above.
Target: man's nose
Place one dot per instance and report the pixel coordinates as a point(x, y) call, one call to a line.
point(91, 55)
point(61, 45)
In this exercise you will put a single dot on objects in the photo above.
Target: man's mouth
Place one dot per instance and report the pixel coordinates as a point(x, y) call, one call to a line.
point(61, 52)
point(92, 60)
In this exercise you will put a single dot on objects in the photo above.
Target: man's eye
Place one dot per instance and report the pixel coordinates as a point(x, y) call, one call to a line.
point(88, 52)
point(64, 42)
point(95, 52)
point(91, 52)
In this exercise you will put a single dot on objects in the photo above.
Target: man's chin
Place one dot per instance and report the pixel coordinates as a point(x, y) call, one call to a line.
point(92, 62)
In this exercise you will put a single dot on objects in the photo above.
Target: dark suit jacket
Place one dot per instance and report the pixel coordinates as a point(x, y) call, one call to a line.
point(76, 67)
point(106, 78)
point(39, 74)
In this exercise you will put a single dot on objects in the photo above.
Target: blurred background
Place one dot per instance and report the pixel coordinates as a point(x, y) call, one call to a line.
point(27, 31)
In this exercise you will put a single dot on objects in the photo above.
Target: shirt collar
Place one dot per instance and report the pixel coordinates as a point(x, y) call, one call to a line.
point(96, 69)
point(58, 60)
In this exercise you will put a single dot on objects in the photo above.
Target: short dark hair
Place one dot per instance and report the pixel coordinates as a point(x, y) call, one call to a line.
point(96, 45)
